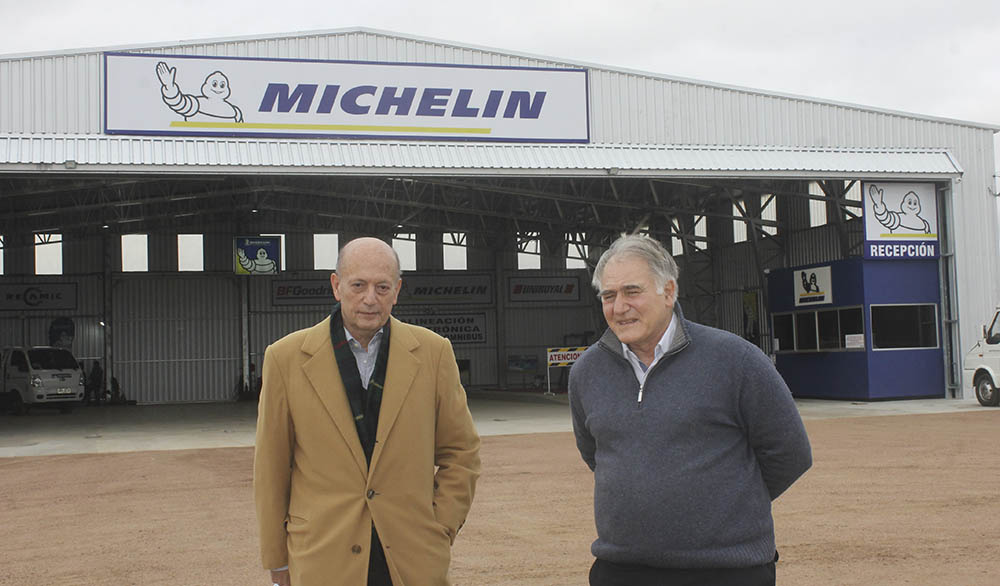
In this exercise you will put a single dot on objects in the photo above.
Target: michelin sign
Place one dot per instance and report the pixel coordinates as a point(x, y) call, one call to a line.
point(901, 220)
point(259, 97)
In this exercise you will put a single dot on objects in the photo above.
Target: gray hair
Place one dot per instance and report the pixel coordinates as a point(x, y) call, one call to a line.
point(661, 264)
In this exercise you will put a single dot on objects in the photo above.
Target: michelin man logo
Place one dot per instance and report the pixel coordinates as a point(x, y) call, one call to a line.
point(809, 284)
point(908, 216)
point(212, 104)
point(261, 265)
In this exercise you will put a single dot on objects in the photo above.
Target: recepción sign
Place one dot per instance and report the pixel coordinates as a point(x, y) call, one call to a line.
point(900, 220)
point(26, 297)
point(460, 328)
point(243, 96)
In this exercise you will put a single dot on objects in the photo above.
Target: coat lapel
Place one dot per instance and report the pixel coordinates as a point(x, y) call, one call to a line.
point(400, 372)
point(321, 370)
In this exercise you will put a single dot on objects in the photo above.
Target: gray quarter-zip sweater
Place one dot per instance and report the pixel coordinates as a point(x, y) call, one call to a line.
point(685, 477)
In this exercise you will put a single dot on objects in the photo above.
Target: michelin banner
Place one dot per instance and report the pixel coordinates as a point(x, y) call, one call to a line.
point(900, 220)
point(242, 96)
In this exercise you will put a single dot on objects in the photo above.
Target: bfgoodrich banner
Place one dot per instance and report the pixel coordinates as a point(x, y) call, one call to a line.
point(234, 96)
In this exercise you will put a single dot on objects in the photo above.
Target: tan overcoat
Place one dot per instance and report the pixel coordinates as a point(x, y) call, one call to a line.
point(315, 495)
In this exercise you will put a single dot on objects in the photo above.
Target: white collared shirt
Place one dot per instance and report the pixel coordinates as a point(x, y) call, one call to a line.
point(640, 369)
point(365, 359)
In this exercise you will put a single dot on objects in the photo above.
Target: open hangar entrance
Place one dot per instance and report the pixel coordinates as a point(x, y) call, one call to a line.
point(170, 336)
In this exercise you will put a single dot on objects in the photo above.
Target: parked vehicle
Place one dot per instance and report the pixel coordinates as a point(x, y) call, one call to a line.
point(40, 376)
point(982, 364)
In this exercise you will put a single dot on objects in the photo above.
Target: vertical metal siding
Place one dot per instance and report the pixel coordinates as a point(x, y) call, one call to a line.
point(176, 339)
point(62, 94)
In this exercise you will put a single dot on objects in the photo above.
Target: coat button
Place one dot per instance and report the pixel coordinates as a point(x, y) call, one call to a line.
point(356, 549)
point(371, 493)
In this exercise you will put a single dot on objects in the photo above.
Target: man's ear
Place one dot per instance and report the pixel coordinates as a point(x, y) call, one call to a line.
point(334, 282)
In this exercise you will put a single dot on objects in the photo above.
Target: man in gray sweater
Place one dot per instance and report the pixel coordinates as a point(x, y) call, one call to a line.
point(690, 432)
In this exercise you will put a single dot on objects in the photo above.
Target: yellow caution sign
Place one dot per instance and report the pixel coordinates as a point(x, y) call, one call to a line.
point(565, 356)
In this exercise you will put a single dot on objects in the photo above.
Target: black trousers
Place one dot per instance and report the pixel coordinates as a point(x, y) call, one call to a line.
point(378, 567)
point(604, 573)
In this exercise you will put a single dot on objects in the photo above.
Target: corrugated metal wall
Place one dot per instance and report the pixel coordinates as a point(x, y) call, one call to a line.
point(62, 94)
point(177, 339)
point(31, 328)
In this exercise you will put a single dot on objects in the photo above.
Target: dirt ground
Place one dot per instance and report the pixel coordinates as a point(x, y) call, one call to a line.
point(890, 500)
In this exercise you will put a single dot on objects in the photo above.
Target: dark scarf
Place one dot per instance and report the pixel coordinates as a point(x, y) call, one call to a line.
point(365, 403)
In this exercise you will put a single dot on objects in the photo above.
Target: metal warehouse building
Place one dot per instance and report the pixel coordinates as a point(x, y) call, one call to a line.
point(489, 154)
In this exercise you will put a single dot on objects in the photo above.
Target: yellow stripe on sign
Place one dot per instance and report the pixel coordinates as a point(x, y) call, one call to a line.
point(909, 235)
point(340, 127)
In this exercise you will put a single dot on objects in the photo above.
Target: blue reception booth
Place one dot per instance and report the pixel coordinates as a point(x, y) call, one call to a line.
point(859, 329)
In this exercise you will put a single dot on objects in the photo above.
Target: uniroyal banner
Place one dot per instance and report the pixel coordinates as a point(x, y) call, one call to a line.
point(543, 289)
point(243, 96)
point(900, 220)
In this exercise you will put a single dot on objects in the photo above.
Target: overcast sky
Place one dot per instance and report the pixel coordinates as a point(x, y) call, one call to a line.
point(927, 57)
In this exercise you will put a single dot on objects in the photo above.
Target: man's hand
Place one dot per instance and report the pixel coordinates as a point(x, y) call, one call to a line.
point(281, 578)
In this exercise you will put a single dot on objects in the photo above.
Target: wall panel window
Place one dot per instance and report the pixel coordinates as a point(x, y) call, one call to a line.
point(190, 252)
point(455, 251)
point(135, 253)
point(528, 251)
point(904, 326)
point(48, 254)
point(325, 251)
point(576, 250)
point(822, 330)
point(805, 331)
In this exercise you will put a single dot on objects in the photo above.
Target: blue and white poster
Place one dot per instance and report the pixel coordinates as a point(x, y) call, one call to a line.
point(900, 220)
point(257, 255)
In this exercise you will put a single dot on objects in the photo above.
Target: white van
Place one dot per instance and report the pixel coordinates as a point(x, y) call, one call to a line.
point(40, 375)
point(982, 363)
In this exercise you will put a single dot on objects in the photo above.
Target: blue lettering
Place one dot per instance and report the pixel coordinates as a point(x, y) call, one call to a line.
point(462, 109)
point(328, 100)
point(349, 103)
point(402, 103)
point(433, 101)
point(519, 101)
point(492, 104)
point(303, 95)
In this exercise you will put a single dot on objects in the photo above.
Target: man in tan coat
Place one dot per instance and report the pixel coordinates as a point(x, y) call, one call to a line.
point(367, 457)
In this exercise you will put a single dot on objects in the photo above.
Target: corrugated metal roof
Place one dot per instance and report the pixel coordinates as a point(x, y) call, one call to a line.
point(219, 155)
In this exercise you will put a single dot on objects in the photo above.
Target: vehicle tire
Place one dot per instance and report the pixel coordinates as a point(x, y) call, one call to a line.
point(17, 406)
point(986, 391)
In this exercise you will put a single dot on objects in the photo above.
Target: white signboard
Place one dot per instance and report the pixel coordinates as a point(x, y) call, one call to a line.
point(460, 328)
point(22, 296)
point(900, 220)
point(854, 341)
point(262, 97)
point(813, 286)
point(543, 289)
